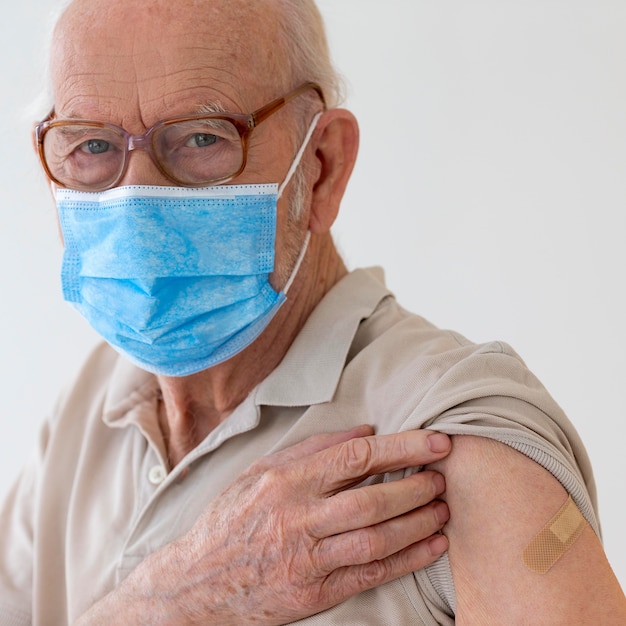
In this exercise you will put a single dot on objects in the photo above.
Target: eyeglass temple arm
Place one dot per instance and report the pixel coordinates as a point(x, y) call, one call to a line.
point(37, 127)
point(265, 111)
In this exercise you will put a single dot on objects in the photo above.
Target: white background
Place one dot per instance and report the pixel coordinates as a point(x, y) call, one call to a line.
point(490, 185)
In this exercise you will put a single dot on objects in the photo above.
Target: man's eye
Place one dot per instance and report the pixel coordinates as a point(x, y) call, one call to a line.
point(95, 146)
point(201, 140)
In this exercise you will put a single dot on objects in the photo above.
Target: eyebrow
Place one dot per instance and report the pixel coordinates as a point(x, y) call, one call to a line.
point(211, 107)
point(202, 109)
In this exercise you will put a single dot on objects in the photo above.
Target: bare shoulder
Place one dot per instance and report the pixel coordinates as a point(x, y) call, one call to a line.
point(499, 501)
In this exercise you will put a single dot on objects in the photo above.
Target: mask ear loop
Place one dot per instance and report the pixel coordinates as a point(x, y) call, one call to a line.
point(292, 169)
point(298, 157)
point(296, 267)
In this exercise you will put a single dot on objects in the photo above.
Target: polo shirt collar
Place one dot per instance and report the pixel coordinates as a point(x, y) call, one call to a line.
point(129, 387)
point(310, 371)
point(308, 374)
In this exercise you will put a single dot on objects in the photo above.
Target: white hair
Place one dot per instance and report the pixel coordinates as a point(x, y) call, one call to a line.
point(306, 57)
point(303, 39)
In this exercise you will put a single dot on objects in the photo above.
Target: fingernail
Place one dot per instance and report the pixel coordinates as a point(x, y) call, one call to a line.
point(438, 442)
point(442, 512)
point(439, 483)
point(438, 544)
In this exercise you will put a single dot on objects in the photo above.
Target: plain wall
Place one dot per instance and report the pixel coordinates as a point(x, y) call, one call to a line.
point(490, 186)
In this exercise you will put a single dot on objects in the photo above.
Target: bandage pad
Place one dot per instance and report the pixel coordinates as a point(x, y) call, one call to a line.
point(556, 538)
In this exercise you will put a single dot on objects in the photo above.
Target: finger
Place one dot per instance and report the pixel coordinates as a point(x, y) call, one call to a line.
point(381, 541)
point(410, 559)
point(348, 463)
point(370, 505)
point(349, 581)
point(309, 446)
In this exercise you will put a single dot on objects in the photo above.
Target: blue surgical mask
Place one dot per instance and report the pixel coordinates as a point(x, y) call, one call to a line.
point(175, 278)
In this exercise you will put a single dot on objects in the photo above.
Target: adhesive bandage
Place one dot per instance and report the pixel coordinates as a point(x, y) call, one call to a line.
point(556, 537)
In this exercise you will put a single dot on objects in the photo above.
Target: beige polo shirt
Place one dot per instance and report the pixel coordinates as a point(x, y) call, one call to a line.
point(95, 498)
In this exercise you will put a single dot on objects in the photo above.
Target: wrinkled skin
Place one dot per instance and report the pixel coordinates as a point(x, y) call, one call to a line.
point(289, 538)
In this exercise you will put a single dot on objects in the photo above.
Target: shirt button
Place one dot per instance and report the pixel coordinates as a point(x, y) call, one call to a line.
point(157, 474)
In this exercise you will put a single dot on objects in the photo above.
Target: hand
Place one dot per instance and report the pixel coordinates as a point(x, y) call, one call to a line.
point(293, 535)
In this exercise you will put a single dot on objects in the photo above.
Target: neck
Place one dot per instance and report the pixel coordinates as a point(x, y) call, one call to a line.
point(194, 405)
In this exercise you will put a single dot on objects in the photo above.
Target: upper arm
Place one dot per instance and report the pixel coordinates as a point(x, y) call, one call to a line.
point(499, 500)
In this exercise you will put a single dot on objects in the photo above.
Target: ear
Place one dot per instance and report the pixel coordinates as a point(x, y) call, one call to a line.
point(335, 150)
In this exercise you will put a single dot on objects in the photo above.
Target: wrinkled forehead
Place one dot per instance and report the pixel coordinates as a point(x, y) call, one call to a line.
point(156, 55)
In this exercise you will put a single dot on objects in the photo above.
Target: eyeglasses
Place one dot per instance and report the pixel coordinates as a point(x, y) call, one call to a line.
point(192, 151)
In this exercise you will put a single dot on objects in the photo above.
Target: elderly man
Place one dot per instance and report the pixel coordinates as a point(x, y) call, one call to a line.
point(213, 468)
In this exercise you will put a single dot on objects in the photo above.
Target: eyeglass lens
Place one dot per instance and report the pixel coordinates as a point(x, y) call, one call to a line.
point(193, 152)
